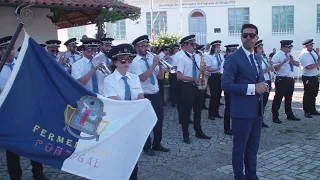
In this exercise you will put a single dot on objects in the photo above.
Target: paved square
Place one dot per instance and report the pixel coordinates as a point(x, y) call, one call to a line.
point(289, 151)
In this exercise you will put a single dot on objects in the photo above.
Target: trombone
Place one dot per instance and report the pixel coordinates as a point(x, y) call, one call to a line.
point(168, 67)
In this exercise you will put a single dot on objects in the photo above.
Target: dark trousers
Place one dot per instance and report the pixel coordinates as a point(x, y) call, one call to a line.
point(134, 174)
point(156, 103)
point(173, 88)
point(14, 168)
point(215, 92)
point(161, 90)
point(246, 139)
point(284, 87)
point(266, 95)
point(179, 84)
point(226, 117)
point(191, 98)
point(311, 89)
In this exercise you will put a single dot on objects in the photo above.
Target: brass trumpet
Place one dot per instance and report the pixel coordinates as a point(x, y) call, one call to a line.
point(105, 70)
point(168, 67)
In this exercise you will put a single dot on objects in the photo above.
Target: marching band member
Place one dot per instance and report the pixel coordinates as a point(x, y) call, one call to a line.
point(310, 61)
point(13, 160)
point(84, 71)
point(213, 61)
point(165, 55)
point(121, 84)
point(105, 47)
point(200, 51)
point(191, 97)
point(53, 47)
point(267, 68)
point(72, 48)
point(173, 78)
point(283, 63)
point(146, 66)
point(226, 118)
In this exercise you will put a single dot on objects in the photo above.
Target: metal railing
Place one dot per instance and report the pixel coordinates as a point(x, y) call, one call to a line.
point(280, 32)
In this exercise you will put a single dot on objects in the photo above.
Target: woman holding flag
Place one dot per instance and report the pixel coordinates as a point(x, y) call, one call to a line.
point(122, 85)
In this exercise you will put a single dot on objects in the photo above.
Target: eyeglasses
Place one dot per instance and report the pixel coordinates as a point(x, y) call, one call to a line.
point(90, 50)
point(124, 60)
point(251, 35)
point(54, 51)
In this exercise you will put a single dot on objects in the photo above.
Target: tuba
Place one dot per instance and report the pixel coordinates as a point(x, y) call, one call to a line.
point(203, 74)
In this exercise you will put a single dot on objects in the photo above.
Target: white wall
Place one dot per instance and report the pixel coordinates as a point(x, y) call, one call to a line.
point(39, 27)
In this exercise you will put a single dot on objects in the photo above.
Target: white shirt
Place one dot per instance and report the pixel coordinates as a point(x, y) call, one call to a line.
point(212, 61)
point(74, 58)
point(306, 60)
point(81, 68)
point(185, 65)
point(115, 86)
point(4, 76)
point(285, 69)
point(265, 65)
point(138, 66)
point(175, 60)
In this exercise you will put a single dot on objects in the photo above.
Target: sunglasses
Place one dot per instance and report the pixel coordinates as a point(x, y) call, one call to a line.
point(54, 51)
point(251, 35)
point(144, 46)
point(90, 50)
point(123, 61)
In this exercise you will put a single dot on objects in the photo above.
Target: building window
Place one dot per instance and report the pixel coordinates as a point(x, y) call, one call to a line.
point(76, 32)
point(116, 30)
point(159, 22)
point(318, 18)
point(237, 17)
point(282, 20)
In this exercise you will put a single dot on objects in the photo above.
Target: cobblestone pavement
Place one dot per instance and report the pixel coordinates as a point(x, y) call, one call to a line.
point(289, 151)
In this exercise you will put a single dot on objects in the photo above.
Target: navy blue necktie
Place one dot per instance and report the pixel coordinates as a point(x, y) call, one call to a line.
point(314, 59)
point(218, 59)
point(253, 65)
point(152, 80)
point(127, 92)
point(290, 63)
point(194, 69)
point(94, 82)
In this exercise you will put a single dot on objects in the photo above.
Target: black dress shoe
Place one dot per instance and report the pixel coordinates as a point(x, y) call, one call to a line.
point(264, 125)
point(149, 152)
point(228, 132)
point(202, 136)
point(218, 116)
point(293, 118)
point(160, 148)
point(307, 115)
point(277, 120)
point(315, 113)
point(186, 140)
point(40, 177)
point(205, 108)
point(211, 118)
point(190, 122)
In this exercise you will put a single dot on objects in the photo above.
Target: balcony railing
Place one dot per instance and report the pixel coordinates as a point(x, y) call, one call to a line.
point(282, 32)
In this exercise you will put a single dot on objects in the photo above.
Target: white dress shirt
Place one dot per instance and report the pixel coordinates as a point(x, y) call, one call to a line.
point(81, 68)
point(306, 59)
point(175, 60)
point(115, 86)
point(212, 61)
point(4, 76)
point(263, 66)
point(185, 65)
point(285, 69)
point(138, 66)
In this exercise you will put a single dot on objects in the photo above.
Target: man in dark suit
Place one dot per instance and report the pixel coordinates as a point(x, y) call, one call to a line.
point(243, 79)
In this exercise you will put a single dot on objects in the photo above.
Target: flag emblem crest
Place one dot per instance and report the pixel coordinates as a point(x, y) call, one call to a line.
point(86, 118)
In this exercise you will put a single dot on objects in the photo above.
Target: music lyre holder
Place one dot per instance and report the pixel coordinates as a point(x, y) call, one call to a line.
point(21, 11)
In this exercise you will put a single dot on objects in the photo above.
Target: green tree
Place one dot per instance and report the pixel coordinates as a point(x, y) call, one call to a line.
point(167, 39)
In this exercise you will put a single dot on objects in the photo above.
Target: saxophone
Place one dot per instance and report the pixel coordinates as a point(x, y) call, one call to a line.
point(203, 74)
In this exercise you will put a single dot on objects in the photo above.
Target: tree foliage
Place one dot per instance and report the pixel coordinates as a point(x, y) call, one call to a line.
point(167, 39)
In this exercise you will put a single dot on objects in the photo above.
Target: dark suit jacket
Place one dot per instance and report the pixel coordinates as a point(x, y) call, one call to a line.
point(237, 74)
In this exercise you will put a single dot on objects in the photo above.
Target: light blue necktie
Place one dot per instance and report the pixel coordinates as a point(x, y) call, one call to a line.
point(290, 63)
point(10, 66)
point(194, 69)
point(152, 80)
point(94, 82)
point(74, 59)
point(107, 60)
point(218, 59)
point(265, 63)
point(127, 92)
point(314, 59)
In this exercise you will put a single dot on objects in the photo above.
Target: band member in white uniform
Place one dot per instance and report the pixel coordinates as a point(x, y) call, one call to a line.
point(267, 70)
point(146, 66)
point(214, 60)
point(105, 47)
point(53, 47)
point(191, 96)
point(121, 84)
point(173, 78)
point(310, 61)
point(83, 70)
point(165, 55)
point(283, 63)
point(13, 160)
